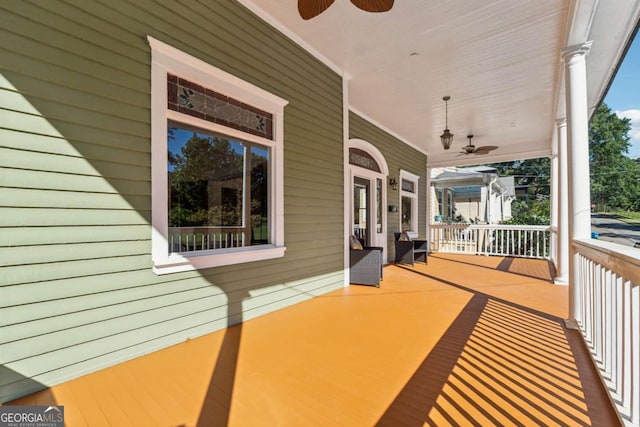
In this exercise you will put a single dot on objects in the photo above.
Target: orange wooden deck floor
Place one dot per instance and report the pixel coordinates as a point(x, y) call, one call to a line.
point(463, 341)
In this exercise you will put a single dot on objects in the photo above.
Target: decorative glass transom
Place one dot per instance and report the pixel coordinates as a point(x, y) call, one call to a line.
point(363, 159)
point(408, 186)
point(193, 99)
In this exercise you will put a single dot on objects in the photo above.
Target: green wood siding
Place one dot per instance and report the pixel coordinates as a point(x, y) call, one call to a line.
point(398, 156)
point(76, 288)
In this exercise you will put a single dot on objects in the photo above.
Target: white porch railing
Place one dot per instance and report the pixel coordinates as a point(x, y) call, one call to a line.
point(528, 241)
point(608, 281)
point(190, 239)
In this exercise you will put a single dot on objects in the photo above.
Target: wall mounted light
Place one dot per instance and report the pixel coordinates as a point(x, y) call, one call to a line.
point(393, 183)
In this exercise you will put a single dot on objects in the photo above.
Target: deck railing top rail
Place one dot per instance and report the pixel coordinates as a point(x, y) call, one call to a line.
point(492, 226)
point(624, 260)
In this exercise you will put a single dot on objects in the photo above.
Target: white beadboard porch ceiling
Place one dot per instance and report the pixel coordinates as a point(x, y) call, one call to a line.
point(500, 61)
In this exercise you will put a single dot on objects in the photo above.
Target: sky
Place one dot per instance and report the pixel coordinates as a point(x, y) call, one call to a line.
point(624, 94)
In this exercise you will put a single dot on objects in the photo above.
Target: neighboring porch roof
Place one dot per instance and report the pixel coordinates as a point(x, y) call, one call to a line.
point(468, 180)
point(459, 174)
point(499, 61)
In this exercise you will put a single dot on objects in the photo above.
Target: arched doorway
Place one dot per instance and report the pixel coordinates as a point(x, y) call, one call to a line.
point(368, 173)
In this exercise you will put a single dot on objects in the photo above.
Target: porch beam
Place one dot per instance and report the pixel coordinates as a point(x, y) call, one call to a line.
point(579, 206)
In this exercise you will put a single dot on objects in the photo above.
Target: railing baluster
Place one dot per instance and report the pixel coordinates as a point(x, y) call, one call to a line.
point(618, 330)
point(597, 315)
point(627, 364)
point(191, 239)
point(510, 240)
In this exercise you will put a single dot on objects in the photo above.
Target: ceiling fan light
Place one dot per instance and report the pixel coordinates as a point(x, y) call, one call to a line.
point(446, 138)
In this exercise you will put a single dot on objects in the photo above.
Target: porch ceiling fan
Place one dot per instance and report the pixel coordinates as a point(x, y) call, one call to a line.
point(311, 8)
point(472, 149)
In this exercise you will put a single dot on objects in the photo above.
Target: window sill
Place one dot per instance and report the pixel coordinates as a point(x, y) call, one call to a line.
point(176, 263)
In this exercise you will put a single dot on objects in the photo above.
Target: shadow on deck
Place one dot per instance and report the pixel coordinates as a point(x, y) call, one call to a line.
point(465, 340)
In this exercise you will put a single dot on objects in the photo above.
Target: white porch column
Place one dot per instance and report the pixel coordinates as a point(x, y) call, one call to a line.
point(445, 202)
point(579, 206)
point(562, 208)
point(489, 204)
point(553, 244)
point(484, 205)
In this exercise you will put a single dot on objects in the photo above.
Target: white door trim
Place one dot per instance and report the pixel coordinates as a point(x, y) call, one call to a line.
point(377, 239)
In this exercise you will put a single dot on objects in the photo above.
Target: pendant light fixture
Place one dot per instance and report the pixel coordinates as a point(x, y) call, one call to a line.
point(447, 137)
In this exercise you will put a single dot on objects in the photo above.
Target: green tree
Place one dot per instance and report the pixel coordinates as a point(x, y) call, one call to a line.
point(531, 212)
point(534, 175)
point(615, 178)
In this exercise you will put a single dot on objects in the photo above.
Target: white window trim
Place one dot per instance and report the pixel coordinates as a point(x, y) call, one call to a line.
point(413, 233)
point(166, 59)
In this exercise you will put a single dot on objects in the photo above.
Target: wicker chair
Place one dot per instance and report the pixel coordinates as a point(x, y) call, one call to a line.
point(365, 266)
point(407, 252)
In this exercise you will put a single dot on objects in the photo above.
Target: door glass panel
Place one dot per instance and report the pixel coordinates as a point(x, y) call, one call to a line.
point(378, 205)
point(360, 204)
point(407, 211)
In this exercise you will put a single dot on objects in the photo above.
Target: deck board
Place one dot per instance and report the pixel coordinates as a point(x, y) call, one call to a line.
point(463, 340)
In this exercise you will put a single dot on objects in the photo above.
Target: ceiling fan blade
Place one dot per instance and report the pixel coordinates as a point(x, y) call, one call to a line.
point(311, 8)
point(485, 149)
point(374, 5)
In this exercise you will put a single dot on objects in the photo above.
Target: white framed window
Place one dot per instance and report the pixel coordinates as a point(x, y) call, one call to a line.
point(409, 202)
point(217, 159)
